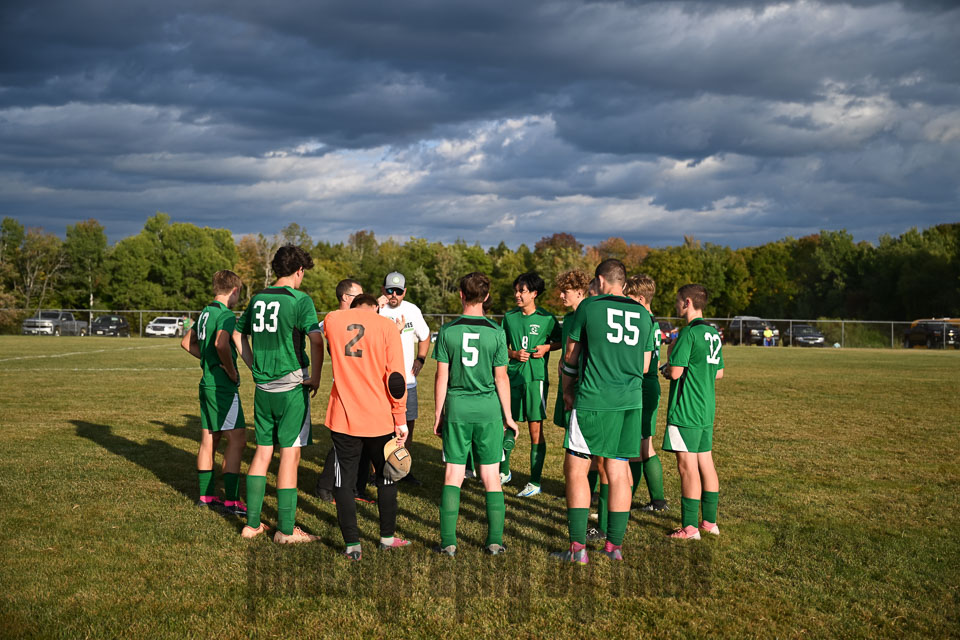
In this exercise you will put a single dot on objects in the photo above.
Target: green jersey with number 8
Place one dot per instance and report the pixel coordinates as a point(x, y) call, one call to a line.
point(692, 396)
point(278, 320)
point(613, 332)
point(215, 317)
point(472, 346)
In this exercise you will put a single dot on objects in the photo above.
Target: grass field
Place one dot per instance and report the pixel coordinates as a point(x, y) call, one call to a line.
point(838, 506)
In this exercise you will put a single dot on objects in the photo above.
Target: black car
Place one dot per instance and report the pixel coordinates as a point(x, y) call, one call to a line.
point(933, 334)
point(749, 330)
point(803, 335)
point(110, 326)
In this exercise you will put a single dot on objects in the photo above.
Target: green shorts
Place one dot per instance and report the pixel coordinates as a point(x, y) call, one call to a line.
point(608, 434)
point(220, 409)
point(485, 438)
point(688, 439)
point(529, 401)
point(282, 419)
point(651, 402)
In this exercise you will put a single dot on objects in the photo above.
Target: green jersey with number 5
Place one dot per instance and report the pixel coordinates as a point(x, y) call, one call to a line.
point(472, 346)
point(692, 398)
point(278, 320)
point(613, 332)
point(215, 317)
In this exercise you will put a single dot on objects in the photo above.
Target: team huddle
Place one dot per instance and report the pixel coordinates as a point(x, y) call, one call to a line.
point(489, 377)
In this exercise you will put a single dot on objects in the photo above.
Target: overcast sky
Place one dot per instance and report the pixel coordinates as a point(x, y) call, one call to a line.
point(735, 122)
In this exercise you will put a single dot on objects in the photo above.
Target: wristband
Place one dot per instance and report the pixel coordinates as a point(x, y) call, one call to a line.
point(421, 359)
point(569, 371)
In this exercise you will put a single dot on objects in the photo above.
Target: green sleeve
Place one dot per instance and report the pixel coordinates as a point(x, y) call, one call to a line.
point(576, 322)
point(651, 342)
point(721, 358)
point(440, 348)
point(307, 315)
point(556, 332)
point(228, 322)
point(243, 324)
point(508, 328)
point(680, 356)
point(500, 357)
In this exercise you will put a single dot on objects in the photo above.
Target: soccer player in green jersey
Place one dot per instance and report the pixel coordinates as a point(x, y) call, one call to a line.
point(641, 288)
point(279, 321)
point(472, 388)
point(607, 352)
point(531, 334)
point(220, 408)
point(695, 364)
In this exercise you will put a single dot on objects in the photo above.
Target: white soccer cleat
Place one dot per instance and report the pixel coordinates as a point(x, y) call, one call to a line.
point(529, 490)
point(505, 478)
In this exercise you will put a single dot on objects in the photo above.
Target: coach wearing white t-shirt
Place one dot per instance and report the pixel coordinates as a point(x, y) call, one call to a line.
point(413, 329)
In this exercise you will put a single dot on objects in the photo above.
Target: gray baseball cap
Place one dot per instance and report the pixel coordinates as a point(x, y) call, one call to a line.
point(395, 279)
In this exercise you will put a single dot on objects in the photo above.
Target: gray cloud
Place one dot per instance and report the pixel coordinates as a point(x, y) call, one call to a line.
point(739, 122)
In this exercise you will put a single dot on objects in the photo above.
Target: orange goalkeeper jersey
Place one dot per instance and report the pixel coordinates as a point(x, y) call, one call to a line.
point(365, 349)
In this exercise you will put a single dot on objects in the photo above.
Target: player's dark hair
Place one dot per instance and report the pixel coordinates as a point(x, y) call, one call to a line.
point(593, 289)
point(345, 285)
point(288, 259)
point(697, 294)
point(364, 299)
point(475, 287)
point(612, 271)
point(532, 281)
point(224, 281)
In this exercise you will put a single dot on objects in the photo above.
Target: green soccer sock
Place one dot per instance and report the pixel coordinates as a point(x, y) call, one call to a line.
point(206, 482)
point(449, 512)
point(286, 510)
point(496, 514)
point(653, 472)
point(593, 479)
point(231, 486)
point(603, 507)
point(617, 526)
point(709, 505)
point(636, 470)
point(256, 488)
point(577, 522)
point(538, 453)
point(509, 441)
point(689, 510)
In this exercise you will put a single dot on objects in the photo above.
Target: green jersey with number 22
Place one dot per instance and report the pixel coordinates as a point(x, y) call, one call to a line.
point(692, 399)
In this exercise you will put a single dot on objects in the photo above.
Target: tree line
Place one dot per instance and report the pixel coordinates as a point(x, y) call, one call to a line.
point(168, 265)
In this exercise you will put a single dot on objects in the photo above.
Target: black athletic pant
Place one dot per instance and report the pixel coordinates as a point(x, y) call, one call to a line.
point(348, 451)
point(327, 476)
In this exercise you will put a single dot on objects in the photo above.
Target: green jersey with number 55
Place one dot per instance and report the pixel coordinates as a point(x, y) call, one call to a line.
point(472, 346)
point(613, 332)
point(215, 317)
point(278, 320)
point(692, 399)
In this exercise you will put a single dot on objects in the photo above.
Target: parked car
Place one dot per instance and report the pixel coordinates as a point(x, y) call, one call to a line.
point(718, 328)
point(165, 327)
point(110, 326)
point(933, 333)
point(668, 332)
point(54, 323)
point(803, 335)
point(749, 330)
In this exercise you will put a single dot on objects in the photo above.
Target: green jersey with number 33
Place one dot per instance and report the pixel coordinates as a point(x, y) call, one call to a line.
point(278, 320)
point(692, 399)
point(215, 317)
point(613, 332)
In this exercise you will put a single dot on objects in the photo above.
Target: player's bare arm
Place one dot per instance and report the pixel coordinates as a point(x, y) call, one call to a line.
point(242, 343)
point(190, 344)
point(440, 392)
point(569, 370)
point(502, 382)
point(316, 362)
point(719, 374)
point(423, 348)
point(222, 343)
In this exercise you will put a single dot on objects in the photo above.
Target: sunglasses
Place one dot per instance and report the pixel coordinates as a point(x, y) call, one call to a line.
point(393, 291)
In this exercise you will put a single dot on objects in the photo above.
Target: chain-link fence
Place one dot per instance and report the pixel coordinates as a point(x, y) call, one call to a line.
point(935, 333)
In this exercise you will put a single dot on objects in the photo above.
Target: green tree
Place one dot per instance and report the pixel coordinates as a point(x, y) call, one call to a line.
point(86, 250)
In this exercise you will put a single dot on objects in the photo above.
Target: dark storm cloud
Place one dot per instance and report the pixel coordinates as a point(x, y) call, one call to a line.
point(747, 120)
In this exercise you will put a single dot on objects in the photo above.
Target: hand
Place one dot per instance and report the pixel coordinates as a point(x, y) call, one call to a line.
point(568, 398)
point(401, 432)
point(417, 366)
point(511, 424)
point(541, 351)
point(438, 426)
point(234, 376)
point(522, 355)
point(401, 322)
point(382, 301)
point(312, 384)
